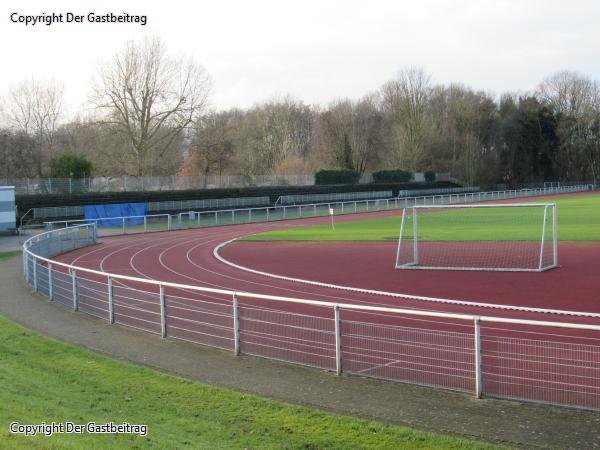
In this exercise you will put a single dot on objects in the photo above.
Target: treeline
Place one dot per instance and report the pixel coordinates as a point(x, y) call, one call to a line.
point(149, 114)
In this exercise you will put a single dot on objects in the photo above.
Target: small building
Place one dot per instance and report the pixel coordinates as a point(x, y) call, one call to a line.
point(8, 217)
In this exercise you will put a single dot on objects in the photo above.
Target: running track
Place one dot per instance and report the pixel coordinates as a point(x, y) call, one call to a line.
point(440, 352)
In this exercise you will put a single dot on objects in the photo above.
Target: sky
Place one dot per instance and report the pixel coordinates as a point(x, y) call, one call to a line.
point(313, 51)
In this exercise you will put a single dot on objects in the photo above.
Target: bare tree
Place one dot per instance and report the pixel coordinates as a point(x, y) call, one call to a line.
point(151, 97)
point(33, 108)
point(352, 133)
point(406, 99)
point(213, 143)
point(576, 100)
point(569, 93)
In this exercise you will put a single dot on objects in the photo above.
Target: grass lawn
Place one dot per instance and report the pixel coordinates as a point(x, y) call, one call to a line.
point(578, 219)
point(44, 381)
point(6, 255)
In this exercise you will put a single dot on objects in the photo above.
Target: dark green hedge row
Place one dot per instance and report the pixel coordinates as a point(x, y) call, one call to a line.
point(392, 176)
point(336, 177)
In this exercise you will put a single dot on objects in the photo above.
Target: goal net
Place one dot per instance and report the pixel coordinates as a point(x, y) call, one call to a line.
point(510, 237)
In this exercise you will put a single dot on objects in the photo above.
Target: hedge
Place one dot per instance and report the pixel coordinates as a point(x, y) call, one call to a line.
point(336, 177)
point(392, 176)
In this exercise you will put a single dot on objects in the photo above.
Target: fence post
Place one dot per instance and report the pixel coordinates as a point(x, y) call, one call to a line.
point(338, 340)
point(74, 287)
point(555, 236)
point(478, 374)
point(50, 287)
point(163, 312)
point(35, 284)
point(168, 222)
point(236, 325)
point(111, 301)
point(123, 225)
point(26, 267)
point(145, 224)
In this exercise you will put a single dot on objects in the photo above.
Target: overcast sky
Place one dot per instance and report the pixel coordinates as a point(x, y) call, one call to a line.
point(315, 51)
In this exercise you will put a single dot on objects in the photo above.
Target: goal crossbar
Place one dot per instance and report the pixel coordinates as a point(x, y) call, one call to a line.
point(455, 237)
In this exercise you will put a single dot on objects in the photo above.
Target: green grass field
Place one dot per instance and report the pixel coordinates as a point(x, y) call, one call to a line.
point(44, 381)
point(578, 219)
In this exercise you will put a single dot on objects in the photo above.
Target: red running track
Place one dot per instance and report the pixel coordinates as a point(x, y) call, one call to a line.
point(421, 350)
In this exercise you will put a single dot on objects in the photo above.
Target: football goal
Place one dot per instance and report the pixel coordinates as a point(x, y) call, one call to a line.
point(509, 237)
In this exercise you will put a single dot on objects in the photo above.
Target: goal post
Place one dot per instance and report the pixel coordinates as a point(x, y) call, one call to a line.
point(500, 236)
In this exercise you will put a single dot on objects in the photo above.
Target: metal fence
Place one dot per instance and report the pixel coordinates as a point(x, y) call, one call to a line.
point(296, 199)
point(439, 191)
point(170, 183)
point(540, 361)
point(200, 219)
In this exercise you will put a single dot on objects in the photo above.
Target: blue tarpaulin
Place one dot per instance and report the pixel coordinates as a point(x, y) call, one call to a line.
point(132, 212)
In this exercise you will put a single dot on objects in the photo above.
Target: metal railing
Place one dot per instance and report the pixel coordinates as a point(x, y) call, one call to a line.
point(200, 219)
point(438, 191)
point(542, 361)
point(295, 199)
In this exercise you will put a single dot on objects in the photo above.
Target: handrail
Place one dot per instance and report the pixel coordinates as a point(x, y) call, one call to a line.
point(355, 307)
point(468, 198)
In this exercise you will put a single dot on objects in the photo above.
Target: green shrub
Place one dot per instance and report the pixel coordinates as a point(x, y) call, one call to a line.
point(429, 176)
point(336, 177)
point(70, 165)
point(392, 176)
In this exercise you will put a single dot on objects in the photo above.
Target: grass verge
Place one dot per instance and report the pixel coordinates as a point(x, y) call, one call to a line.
point(7, 255)
point(44, 381)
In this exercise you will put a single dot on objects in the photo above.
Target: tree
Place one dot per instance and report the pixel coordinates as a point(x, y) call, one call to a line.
point(70, 165)
point(352, 133)
point(406, 100)
point(212, 145)
point(33, 108)
point(150, 97)
point(575, 102)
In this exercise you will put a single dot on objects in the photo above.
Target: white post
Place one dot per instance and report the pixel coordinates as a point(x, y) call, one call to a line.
point(543, 237)
point(145, 224)
point(554, 236)
point(74, 288)
point(123, 220)
point(400, 236)
point(478, 372)
point(111, 301)
point(35, 284)
point(338, 340)
point(415, 238)
point(50, 287)
point(163, 313)
point(331, 214)
point(236, 326)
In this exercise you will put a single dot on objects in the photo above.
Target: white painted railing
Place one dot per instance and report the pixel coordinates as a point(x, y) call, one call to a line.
point(544, 361)
point(200, 219)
